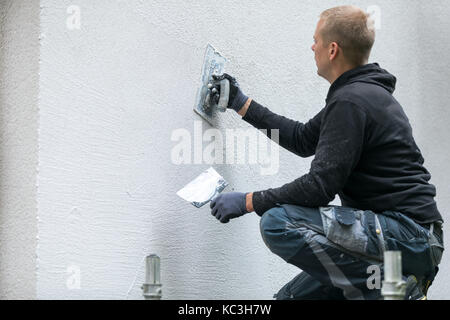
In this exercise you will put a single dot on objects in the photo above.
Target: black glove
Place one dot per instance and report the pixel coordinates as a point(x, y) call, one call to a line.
point(237, 99)
point(228, 206)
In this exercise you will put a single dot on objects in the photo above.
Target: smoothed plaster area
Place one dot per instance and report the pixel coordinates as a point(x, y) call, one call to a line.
point(19, 74)
point(113, 92)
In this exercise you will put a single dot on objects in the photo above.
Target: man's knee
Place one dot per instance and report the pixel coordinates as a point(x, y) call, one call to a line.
point(272, 224)
point(284, 234)
point(278, 220)
point(273, 221)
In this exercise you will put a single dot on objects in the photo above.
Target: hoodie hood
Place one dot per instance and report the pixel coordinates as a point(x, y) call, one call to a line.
point(369, 73)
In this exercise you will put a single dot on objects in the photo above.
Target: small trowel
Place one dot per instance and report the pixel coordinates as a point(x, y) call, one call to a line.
point(204, 188)
point(206, 103)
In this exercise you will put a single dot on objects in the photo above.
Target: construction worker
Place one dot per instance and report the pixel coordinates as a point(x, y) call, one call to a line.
point(364, 152)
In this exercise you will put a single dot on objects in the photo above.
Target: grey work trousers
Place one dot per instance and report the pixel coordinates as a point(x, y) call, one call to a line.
point(338, 248)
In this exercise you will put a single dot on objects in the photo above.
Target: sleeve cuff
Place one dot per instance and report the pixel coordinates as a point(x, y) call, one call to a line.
point(252, 112)
point(260, 204)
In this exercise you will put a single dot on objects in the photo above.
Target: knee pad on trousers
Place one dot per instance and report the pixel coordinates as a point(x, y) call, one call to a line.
point(272, 220)
point(282, 236)
point(276, 235)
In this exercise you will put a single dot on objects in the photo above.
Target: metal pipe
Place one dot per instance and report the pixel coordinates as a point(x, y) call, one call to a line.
point(394, 288)
point(152, 286)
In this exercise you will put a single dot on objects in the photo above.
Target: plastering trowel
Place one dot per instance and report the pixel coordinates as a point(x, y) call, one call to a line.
point(204, 188)
point(206, 105)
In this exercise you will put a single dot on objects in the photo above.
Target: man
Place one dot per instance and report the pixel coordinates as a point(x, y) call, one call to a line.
point(364, 152)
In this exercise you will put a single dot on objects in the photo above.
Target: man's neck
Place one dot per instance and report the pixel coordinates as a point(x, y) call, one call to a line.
point(340, 70)
point(335, 74)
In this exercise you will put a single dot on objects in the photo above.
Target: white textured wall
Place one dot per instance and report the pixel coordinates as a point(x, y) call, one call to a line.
point(111, 95)
point(431, 117)
point(19, 67)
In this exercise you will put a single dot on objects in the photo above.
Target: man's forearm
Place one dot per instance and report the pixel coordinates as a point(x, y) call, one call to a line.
point(249, 197)
point(294, 136)
point(249, 202)
point(244, 109)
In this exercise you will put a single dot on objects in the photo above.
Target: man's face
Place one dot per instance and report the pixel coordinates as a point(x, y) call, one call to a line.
point(320, 52)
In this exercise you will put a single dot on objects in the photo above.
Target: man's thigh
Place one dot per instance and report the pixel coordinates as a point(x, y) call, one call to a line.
point(348, 230)
point(297, 234)
point(345, 240)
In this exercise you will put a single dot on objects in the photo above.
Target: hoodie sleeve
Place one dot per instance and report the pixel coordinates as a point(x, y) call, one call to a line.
point(301, 139)
point(337, 154)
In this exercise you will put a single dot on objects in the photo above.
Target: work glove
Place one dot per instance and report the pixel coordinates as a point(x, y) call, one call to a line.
point(237, 99)
point(227, 206)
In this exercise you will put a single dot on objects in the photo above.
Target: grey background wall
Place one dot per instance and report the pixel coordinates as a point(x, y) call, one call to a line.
point(112, 93)
point(19, 89)
point(430, 114)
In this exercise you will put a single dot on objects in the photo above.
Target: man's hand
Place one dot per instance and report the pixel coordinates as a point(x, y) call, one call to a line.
point(227, 206)
point(237, 99)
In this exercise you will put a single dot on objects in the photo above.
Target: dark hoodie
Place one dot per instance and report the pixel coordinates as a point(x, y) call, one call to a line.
point(364, 151)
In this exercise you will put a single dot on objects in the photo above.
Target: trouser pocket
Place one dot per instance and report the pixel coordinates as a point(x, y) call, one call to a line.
point(351, 229)
point(403, 234)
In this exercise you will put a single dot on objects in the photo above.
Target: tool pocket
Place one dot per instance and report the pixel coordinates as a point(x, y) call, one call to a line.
point(345, 227)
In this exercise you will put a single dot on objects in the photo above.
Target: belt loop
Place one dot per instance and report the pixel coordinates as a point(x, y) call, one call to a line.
point(432, 228)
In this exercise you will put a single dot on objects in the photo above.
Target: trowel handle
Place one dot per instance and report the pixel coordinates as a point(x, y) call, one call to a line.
point(224, 95)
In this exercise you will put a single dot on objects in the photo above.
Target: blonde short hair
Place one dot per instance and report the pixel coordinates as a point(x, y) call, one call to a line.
point(352, 29)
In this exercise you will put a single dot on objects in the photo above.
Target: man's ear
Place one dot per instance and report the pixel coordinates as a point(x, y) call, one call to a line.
point(333, 51)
